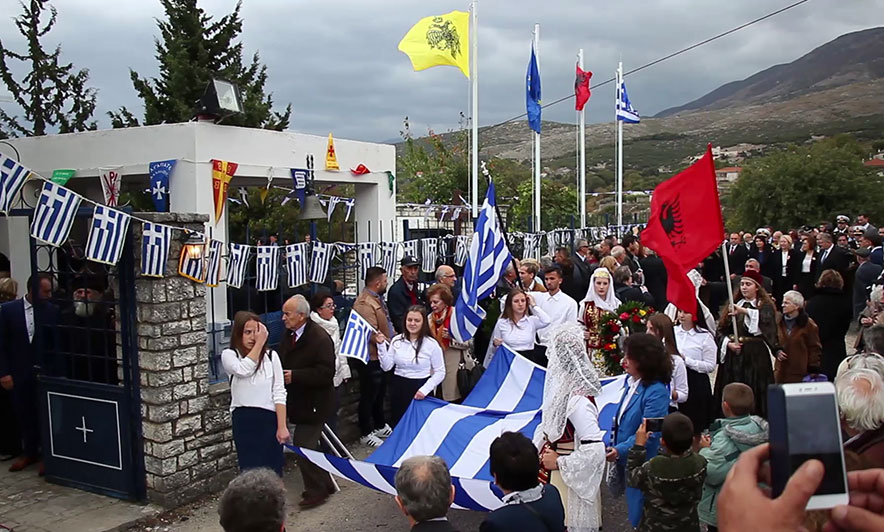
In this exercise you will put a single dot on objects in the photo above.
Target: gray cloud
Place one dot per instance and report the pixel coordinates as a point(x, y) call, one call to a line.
point(336, 60)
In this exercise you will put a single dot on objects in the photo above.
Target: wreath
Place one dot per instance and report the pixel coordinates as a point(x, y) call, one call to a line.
point(630, 317)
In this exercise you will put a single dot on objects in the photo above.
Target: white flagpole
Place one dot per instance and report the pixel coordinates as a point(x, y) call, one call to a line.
point(582, 145)
point(474, 86)
point(537, 188)
point(619, 155)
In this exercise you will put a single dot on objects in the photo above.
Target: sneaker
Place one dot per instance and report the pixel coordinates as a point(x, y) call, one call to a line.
point(371, 440)
point(383, 432)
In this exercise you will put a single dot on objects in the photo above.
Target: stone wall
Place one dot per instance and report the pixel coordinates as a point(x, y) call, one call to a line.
point(188, 442)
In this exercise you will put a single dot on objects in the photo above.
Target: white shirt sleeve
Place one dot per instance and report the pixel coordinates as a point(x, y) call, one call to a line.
point(584, 417)
point(234, 365)
point(279, 393)
point(496, 333)
point(386, 355)
point(752, 322)
point(540, 318)
point(680, 379)
point(437, 366)
point(706, 364)
point(571, 314)
point(722, 353)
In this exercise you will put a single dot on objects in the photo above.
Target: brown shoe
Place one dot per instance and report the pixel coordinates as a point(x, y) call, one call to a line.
point(22, 463)
point(312, 502)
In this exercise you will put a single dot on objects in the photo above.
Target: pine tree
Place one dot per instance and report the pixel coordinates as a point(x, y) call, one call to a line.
point(51, 95)
point(193, 49)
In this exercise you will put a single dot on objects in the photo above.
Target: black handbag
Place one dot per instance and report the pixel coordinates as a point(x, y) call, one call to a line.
point(468, 378)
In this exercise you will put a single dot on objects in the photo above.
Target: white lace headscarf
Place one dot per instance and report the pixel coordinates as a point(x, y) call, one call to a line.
point(569, 373)
point(610, 303)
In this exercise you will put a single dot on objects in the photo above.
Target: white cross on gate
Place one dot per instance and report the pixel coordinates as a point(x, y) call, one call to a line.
point(83, 428)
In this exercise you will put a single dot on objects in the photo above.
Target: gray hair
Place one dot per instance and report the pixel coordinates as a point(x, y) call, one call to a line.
point(580, 242)
point(794, 297)
point(253, 502)
point(755, 261)
point(423, 485)
point(440, 272)
point(622, 274)
point(618, 251)
point(877, 294)
point(861, 398)
point(301, 304)
point(873, 337)
point(825, 236)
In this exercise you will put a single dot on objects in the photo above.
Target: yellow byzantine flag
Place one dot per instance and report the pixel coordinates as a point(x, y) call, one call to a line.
point(222, 173)
point(439, 40)
point(331, 160)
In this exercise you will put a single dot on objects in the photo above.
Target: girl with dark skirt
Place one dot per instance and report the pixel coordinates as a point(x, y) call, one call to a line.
point(697, 346)
point(417, 359)
point(257, 395)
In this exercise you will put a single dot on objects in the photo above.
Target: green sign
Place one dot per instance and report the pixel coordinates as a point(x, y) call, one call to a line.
point(61, 177)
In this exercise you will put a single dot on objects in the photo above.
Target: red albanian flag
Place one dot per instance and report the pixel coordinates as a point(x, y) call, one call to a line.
point(685, 226)
point(360, 170)
point(581, 88)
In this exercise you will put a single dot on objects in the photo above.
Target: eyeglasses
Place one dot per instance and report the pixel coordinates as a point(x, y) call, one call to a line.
point(450, 275)
point(328, 306)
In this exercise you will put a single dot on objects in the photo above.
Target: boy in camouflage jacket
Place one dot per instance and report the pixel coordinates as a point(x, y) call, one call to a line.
point(673, 482)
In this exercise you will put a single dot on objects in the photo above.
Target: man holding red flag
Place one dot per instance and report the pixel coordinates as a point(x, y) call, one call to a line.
point(685, 226)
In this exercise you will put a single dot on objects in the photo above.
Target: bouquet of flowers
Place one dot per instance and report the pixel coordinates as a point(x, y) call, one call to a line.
point(631, 317)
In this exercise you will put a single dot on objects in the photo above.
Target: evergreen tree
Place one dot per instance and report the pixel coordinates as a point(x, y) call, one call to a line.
point(192, 50)
point(52, 95)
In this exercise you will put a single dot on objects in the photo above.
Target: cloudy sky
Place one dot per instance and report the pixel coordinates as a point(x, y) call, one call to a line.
point(336, 61)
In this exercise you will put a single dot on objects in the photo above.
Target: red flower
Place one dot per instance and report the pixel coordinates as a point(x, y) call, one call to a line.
point(615, 328)
point(624, 316)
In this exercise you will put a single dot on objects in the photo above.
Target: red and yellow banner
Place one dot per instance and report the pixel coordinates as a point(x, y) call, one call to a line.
point(331, 159)
point(222, 173)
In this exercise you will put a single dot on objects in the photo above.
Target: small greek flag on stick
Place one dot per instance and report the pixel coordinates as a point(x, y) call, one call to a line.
point(55, 214)
point(238, 262)
point(268, 268)
point(107, 235)
point(296, 263)
point(12, 177)
point(357, 334)
point(155, 240)
point(213, 263)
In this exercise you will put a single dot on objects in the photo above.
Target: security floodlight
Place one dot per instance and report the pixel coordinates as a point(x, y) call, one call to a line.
point(221, 99)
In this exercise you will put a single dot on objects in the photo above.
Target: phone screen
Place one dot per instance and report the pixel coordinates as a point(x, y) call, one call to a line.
point(814, 435)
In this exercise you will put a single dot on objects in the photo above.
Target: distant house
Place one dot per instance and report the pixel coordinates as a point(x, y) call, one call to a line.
point(875, 164)
point(728, 173)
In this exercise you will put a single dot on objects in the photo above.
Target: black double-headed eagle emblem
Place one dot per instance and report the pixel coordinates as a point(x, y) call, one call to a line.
point(442, 35)
point(671, 220)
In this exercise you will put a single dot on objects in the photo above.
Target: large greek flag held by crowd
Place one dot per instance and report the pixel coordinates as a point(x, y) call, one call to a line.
point(296, 264)
point(486, 262)
point(268, 271)
point(107, 235)
point(155, 240)
point(55, 214)
point(12, 178)
point(237, 264)
point(508, 397)
point(322, 256)
point(357, 334)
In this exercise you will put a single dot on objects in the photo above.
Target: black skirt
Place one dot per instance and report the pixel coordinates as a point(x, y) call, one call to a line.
point(700, 406)
point(402, 392)
point(254, 434)
point(752, 367)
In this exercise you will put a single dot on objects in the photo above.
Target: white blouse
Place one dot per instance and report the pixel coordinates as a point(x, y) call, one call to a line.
point(679, 381)
point(253, 386)
point(521, 336)
point(698, 349)
point(785, 262)
point(805, 264)
point(428, 363)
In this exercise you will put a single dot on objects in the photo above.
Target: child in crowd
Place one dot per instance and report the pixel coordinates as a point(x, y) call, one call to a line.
point(672, 482)
point(737, 432)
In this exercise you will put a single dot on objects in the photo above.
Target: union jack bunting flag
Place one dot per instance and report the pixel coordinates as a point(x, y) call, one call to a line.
point(213, 262)
point(107, 236)
point(12, 177)
point(55, 214)
point(237, 263)
point(268, 268)
point(155, 240)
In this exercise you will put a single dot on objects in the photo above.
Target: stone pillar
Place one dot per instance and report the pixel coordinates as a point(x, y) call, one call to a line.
point(188, 442)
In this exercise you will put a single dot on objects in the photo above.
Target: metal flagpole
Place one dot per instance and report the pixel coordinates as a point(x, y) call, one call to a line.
point(537, 188)
point(582, 145)
point(474, 84)
point(619, 155)
point(730, 288)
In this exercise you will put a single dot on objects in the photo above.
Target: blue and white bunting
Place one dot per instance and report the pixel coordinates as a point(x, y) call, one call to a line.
point(213, 262)
point(297, 264)
point(429, 254)
point(357, 334)
point(625, 111)
point(366, 257)
point(461, 250)
point(56, 211)
point(388, 256)
point(530, 248)
point(155, 241)
point(237, 264)
point(410, 248)
point(107, 235)
point(320, 261)
point(267, 268)
point(12, 178)
point(192, 266)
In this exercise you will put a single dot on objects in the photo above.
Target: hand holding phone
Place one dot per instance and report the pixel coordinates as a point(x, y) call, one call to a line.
point(654, 424)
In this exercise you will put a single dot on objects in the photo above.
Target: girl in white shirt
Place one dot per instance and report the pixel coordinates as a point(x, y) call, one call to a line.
point(257, 395)
point(417, 359)
point(517, 327)
point(661, 326)
point(697, 346)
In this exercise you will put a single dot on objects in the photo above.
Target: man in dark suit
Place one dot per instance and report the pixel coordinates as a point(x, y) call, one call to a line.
point(308, 360)
point(19, 321)
point(866, 274)
point(656, 278)
point(424, 492)
point(404, 293)
point(528, 505)
point(737, 253)
point(832, 257)
point(582, 269)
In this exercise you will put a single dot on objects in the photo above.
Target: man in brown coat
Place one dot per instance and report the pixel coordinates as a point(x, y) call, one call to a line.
point(308, 360)
point(372, 381)
point(799, 341)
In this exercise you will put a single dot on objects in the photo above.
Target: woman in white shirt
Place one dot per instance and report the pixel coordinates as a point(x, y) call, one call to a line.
point(257, 395)
point(697, 345)
point(806, 267)
point(661, 326)
point(323, 314)
point(417, 359)
point(517, 326)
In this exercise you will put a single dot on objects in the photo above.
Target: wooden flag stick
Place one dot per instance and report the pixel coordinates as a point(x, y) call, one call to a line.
point(730, 289)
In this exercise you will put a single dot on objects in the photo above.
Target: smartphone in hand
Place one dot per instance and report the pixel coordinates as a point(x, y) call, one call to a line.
point(654, 424)
point(805, 425)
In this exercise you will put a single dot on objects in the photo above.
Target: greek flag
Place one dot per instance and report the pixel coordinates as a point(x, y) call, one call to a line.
point(321, 259)
point(192, 267)
point(55, 214)
point(460, 252)
point(296, 263)
point(388, 256)
point(551, 243)
point(12, 178)
point(237, 264)
point(213, 263)
point(409, 247)
point(357, 334)
point(429, 252)
point(508, 397)
point(529, 246)
point(486, 262)
point(107, 235)
point(155, 240)
point(625, 111)
point(268, 272)
point(366, 257)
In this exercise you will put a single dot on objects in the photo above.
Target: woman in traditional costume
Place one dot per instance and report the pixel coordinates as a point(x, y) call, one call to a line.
point(599, 299)
point(572, 452)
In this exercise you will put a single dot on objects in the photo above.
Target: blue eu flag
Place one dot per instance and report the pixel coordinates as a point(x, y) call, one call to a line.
point(532, 93)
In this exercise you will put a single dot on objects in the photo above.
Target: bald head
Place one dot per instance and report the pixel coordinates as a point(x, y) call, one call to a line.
point(445, 275)
point(295, 311)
